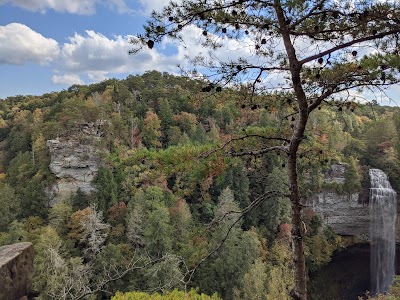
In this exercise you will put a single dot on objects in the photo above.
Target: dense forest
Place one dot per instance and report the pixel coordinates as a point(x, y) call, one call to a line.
point(182, 200)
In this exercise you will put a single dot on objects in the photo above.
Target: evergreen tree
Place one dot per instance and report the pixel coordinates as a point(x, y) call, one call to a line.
point(305, 76)
point(352, 181)
point(106, 189)
point(236, 179)
point(157, 231)
point(59, 216)
point(165, 114)
point(135, 224)
point(9, 206)
point(234, 257)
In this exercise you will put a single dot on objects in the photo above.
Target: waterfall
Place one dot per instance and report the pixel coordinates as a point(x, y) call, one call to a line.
point(382, 208)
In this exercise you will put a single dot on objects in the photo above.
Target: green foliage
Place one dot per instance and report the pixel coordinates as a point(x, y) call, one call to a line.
point(276, 210)
point(59, 216)
point(382, 141)
point(157, 230)
point(352, 181)
point(174, 295)
point(106, 186)
point(318, 248)
point(271, 277)
point(149, 222)
point(254, 283)
point(381, 136)
point(182, 225)
point(151, 130)
point(16, 233)
point(29, 181)
point(165, 114)
point(279, 271)
point(113, 260)
point(80, 200)
point(235, 256)
point(160, 200)
point(235, 178)
point(9, 206)
point(135, 225)
point(394, 292)
point(47, 279)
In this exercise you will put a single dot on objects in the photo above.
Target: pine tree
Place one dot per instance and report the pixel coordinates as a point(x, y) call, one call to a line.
point(312, 50)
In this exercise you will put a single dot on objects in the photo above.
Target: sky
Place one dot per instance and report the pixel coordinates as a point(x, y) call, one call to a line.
point(49, 45)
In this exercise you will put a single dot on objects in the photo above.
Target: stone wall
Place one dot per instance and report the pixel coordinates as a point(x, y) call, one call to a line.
point(16, 270)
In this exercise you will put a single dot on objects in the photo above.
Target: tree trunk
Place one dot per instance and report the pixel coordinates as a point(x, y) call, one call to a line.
point(299, 291)
point(300, 288)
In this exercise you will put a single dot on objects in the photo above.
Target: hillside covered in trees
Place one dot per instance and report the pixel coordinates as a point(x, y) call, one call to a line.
point(182, 200)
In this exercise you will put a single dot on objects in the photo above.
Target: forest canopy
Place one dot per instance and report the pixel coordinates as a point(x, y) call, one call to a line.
point(304, 51)
point(163, 192)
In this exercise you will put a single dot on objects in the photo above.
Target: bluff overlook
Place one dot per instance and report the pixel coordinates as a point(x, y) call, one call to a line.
point(16, 270)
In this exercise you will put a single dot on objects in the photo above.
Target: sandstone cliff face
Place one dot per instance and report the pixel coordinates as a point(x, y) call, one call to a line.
point(345, 214)
point(74, 160)
point(16, 270)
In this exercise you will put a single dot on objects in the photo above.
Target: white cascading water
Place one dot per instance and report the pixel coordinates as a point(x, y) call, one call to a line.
point(382, 209)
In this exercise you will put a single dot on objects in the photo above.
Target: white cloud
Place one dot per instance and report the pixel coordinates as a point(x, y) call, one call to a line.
point(81, 7)
point(147, 6)
point(67, 79)
point(119, 5)
point(96, 56)
point(97, 76)
point(19, 44)
point(95, 52)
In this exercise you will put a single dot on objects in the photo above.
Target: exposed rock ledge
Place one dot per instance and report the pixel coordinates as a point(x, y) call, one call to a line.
point(74, 160)
point(345, 214)
point(16, 270)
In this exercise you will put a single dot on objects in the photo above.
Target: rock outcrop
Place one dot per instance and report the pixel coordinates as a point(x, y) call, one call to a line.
point(74, 160)
point(346, 214)
point(16, 270)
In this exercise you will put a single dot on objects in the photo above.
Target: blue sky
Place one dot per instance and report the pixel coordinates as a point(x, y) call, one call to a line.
point(48, 45)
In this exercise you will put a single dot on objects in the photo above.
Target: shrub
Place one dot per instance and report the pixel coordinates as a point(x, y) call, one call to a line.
point(174, 295)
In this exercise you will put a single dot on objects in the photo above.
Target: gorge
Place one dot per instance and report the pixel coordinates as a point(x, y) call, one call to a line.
point(136, 168)
point(369, 266)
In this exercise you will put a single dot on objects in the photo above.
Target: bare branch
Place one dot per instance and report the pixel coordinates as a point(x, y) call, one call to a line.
point(309, 14)
point(207, 154)
point(241, 213)
point(255, 203)
point(348, 44)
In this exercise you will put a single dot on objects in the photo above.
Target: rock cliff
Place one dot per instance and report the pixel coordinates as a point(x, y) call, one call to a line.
point(346, 214)
point(16, 270)
point(74, 160)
